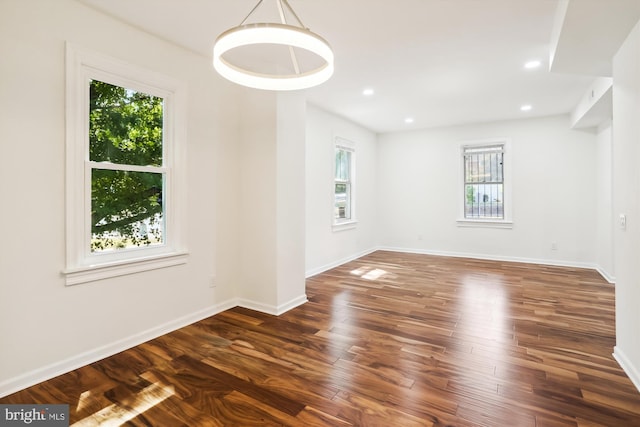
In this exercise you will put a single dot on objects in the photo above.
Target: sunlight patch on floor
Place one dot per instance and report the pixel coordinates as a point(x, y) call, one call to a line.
point(119, 414)
point(368, 273)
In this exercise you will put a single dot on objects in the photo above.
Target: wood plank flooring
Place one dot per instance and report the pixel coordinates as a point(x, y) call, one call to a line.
point(387, 340)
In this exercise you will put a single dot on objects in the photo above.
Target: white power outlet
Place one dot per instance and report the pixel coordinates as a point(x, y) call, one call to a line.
point(554, 246)
point(212, 282)
point(623, 221)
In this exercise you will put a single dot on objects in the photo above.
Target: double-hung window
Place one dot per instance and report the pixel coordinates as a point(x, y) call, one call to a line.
point(484, 187)
point(344, 185)
point(125, 168)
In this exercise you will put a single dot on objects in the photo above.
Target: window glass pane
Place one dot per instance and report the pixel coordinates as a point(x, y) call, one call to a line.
point(125, 126)
point(342, 209)
point(483, 175)
point(126, 209)
point(484, 167)
point(343, 162)
point(470, 169)
point(484, 201)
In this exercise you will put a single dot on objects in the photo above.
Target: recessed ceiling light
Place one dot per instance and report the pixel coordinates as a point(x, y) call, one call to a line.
point(532, 64)
point(409, 120)
point(368, 92)
point(526, 107)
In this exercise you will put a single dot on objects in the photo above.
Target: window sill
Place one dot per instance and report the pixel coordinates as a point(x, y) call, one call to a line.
point(343, 226)
point(485, 223)
point(76, 276)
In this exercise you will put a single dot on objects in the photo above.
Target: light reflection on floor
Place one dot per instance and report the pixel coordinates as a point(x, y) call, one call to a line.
point(369, 273)
point(118, 414)
point(485, 301)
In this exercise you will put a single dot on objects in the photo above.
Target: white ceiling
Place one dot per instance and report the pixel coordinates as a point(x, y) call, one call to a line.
point(441, 62)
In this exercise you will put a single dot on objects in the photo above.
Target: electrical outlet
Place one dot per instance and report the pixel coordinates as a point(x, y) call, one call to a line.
point(623, 221)
point(212, 282)
point(554, 246)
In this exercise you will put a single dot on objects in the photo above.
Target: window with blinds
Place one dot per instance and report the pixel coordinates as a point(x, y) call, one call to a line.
point(484, 181)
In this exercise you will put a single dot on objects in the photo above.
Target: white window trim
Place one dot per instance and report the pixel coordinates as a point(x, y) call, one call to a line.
point(351, 223)
point(507, 221)
point(83, 65)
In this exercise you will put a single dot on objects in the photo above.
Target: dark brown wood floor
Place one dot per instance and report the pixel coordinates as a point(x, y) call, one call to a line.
point(387, 340)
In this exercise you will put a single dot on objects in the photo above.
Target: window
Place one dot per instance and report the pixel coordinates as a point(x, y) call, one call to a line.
point(484, 183)
point(343, 206)
point(126, 167)
point(125, 171)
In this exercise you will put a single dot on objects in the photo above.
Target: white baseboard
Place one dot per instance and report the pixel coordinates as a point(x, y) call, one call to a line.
point(295, 302)
point(272, 309)
point(632, 372)
point(558, 263)
point(36, 376)
point(605, 274)
point(334, 264)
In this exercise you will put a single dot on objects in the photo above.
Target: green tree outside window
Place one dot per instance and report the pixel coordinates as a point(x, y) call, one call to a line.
point(125, 129)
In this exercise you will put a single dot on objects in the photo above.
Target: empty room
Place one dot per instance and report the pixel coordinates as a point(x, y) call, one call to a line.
point(320, 213)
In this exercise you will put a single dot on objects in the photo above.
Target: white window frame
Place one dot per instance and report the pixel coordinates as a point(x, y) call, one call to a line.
point(507, 221)
point(347, 223)
point(82, 66)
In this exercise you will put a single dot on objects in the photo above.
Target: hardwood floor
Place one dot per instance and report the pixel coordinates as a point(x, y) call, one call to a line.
point(387, 340)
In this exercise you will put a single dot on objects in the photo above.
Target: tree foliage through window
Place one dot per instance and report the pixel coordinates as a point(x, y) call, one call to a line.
point(125, 145)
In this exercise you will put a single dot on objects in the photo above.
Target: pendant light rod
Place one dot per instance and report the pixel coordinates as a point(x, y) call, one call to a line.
point(251, 13)
point(283, 19)
point(279, 2)
point(292, 53)
point(286, 3)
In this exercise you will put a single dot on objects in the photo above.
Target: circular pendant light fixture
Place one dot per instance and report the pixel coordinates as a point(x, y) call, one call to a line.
point(280, 34)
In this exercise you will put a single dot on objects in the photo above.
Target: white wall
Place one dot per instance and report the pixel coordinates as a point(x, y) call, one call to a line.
point(326, 248)
point(626, 200)
point(45, 327)
point(258, 194)
point(604, 216)
point(273, 201)
point(554, 192)
point(290, 200)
